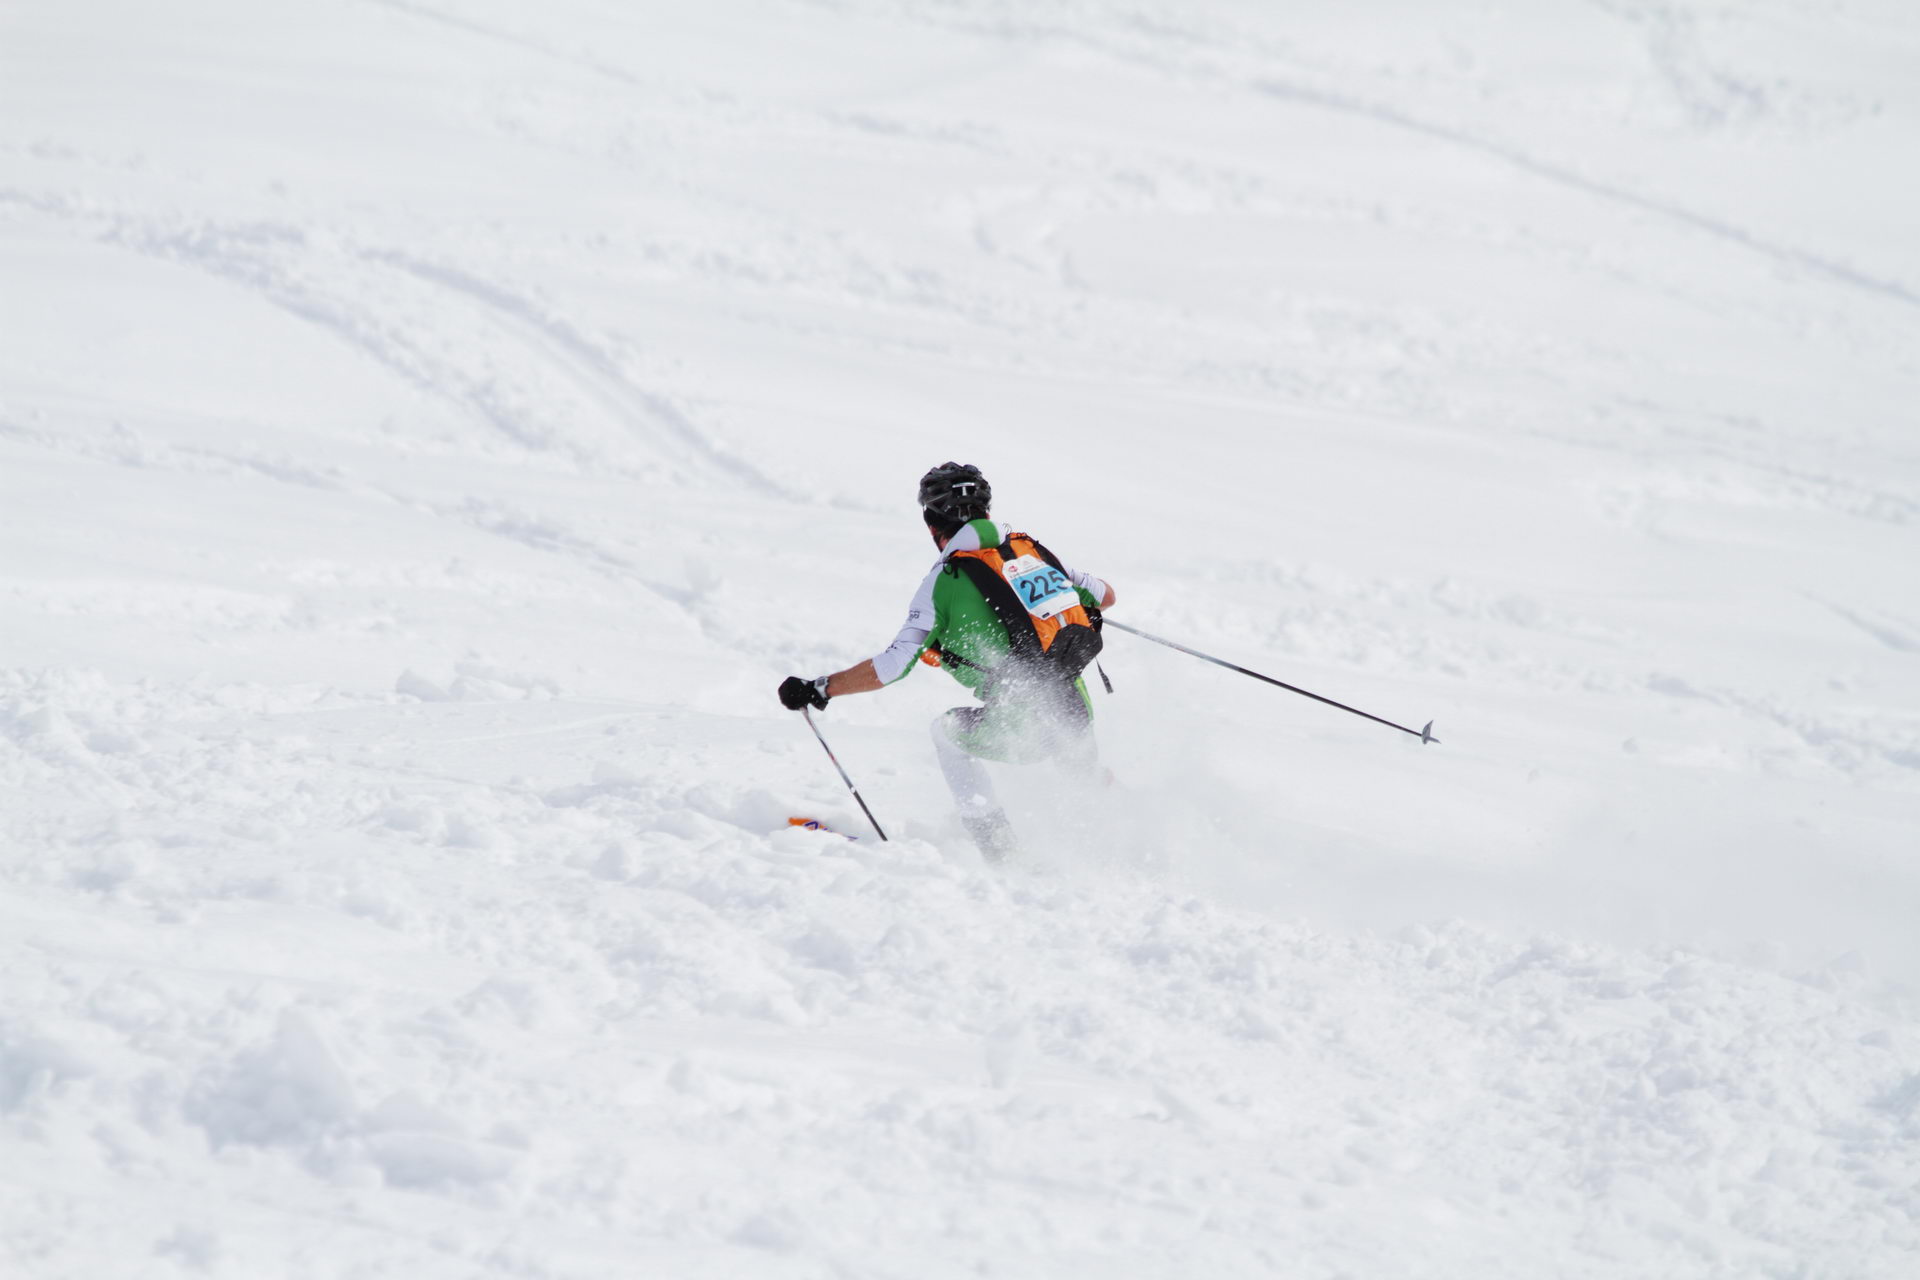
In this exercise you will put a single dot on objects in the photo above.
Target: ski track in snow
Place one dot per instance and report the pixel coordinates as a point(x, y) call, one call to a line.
point(276, 261)
point(254, 256)
point(1800, 259)
point(521, 42)
point(394, 877)
point(1899, 636)
point(595, 370)
point(1221, 57)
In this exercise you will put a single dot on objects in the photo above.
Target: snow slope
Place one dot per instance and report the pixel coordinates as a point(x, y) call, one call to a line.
point(429, 429)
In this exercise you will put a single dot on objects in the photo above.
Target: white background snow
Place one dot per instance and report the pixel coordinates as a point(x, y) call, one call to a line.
point(429, 429)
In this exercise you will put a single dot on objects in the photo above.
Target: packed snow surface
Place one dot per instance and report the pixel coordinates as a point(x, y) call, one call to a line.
point(429, 430)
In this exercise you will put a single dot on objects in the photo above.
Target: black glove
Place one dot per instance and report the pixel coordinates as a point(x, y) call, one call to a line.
point(1095, 618)
point(796, 693)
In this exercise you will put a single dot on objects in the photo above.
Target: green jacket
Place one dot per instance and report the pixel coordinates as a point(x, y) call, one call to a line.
point(949, 611)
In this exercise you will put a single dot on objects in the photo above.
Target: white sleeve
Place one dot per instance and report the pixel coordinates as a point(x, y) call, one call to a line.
point(896, 659)
point(1088, 583)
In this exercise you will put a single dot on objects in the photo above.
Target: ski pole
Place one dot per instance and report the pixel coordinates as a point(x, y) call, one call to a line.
point(1425, 735)
point(808, 713)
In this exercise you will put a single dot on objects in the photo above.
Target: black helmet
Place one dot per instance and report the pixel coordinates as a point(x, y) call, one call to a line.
point(956, 491)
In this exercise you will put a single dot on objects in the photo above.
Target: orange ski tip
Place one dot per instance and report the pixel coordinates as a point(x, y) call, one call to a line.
point(814, 824)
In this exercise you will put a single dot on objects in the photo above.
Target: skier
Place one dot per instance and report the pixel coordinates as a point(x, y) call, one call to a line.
point(1003, 616)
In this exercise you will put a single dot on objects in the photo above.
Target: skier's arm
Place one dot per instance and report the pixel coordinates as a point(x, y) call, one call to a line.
point(879, 672)
point(1097, 591)
point(859, 678)
point(797, 692)
point(897, 659)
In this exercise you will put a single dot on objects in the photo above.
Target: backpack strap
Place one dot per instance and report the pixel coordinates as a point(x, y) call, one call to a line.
point(1022, 637)
point(1042, 552)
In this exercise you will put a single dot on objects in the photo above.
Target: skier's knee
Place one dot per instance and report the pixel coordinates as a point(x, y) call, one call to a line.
point(942, 728)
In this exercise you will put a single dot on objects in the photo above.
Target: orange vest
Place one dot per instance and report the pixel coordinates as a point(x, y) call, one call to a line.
point(1048, 628)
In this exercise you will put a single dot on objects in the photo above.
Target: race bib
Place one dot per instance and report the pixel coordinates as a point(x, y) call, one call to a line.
point(1043, 589)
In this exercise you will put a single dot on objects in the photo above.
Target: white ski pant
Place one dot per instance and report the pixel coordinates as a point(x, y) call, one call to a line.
point(966, 776)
